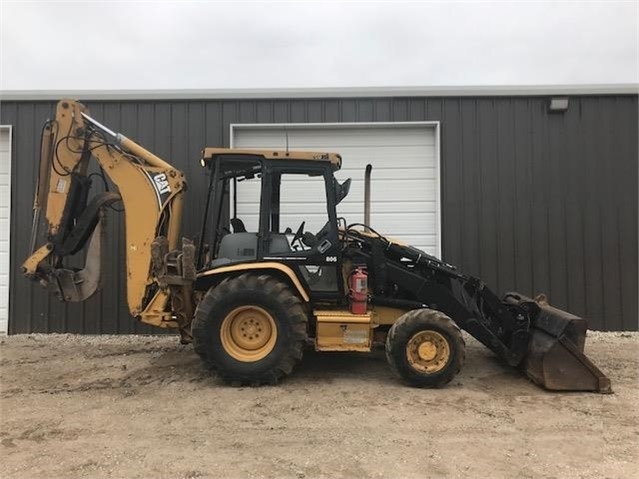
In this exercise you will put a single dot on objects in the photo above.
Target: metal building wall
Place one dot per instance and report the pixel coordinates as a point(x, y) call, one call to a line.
point(531, 201)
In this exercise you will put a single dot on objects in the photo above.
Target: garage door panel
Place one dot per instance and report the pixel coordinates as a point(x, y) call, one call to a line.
point(386, 188)
point(415, 189)
point(4, 229)
point(349, 208)
point(427, 244)
point(380, 152)
point(398, 226)
point(404, 223)
point(382, 210)
point(385, 192)
point(411, 220)
point(356, 158)
point(314, 221)
point(379, 177)
point(343, 137)
point(361, 137)
point(384, 158)
point(386, 172)
point(404, 182)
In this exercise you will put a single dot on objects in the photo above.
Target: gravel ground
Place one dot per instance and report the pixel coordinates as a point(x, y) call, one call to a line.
point(143, 406)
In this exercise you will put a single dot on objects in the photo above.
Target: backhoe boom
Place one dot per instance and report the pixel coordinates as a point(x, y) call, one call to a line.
point(150, 189)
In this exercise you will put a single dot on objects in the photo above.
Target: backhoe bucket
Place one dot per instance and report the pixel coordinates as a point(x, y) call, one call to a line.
point(556, 358)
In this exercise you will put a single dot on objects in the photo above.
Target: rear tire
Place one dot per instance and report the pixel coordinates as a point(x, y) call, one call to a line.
point(425, 348)
point(251, 329)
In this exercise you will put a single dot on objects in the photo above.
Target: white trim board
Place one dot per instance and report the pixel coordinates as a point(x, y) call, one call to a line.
point(233, 127)
point(4, 298)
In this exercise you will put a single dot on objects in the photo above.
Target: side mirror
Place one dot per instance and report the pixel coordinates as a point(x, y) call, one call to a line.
point(341, 190)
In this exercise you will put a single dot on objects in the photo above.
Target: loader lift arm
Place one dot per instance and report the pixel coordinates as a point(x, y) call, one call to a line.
point(545, 342)
point(152, 194)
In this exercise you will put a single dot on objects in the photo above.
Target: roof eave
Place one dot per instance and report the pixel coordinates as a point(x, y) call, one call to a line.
point(347, 92)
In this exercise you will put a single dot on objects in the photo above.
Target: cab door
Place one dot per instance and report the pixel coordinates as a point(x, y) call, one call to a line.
point(299, 225)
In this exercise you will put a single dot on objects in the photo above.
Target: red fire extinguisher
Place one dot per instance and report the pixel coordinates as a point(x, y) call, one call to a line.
point(359, 290)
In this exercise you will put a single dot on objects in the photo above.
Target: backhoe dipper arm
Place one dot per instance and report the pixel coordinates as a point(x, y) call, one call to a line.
point(151, 191)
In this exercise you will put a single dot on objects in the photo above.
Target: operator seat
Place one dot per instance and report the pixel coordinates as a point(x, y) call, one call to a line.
point(237, 247)
point(238, 225)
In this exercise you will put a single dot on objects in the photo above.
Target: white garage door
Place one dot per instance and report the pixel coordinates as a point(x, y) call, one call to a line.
point(5, 202)
point(405, 177)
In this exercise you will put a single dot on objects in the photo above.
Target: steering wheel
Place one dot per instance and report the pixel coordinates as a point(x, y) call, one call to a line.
point(309, 239)
point(298, 233)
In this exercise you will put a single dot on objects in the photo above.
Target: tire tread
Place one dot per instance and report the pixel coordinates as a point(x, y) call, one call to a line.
point(204, 321)
point(400, 332)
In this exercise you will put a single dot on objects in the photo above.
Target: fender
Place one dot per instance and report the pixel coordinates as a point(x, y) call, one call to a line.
point(282, 268)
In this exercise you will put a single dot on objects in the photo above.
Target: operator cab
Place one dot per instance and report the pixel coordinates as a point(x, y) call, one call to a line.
point(257, 215)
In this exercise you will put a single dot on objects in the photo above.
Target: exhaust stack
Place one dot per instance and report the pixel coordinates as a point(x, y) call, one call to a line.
point(367, 195)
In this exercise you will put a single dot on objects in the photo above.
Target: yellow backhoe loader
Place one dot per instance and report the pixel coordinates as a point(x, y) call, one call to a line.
point(250, 298)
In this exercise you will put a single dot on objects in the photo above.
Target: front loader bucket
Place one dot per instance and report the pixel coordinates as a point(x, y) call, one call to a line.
point(556, 358)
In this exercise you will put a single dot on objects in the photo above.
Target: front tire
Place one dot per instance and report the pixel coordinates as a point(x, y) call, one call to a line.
point(425, 348)
point(251, 329)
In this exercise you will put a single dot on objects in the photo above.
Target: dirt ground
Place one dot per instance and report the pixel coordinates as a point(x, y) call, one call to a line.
point(109, 406)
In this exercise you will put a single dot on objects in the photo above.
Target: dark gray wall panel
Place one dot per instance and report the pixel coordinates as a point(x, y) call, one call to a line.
point(531, 200)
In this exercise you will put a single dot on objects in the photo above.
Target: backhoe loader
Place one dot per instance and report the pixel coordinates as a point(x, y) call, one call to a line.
point(255, 291)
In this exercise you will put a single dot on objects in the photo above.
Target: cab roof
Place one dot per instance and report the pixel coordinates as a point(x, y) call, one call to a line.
point(211, 153)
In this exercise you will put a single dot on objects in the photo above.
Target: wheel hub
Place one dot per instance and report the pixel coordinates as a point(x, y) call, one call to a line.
point(428, 351)
point(248, 333)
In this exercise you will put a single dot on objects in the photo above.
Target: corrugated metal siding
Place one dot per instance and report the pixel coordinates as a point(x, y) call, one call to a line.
point(531, 201)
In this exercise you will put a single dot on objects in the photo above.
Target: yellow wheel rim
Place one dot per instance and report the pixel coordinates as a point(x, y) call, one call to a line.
point(248, 333)
point(428, 351)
